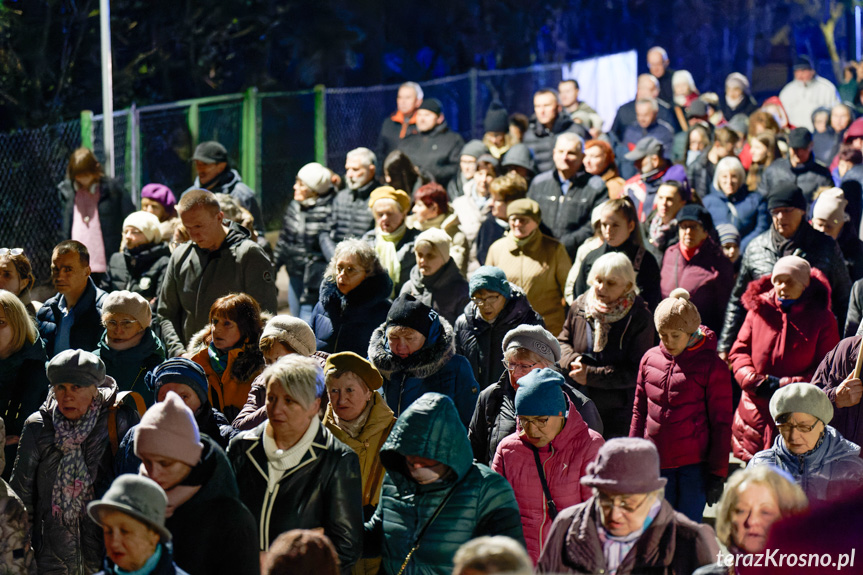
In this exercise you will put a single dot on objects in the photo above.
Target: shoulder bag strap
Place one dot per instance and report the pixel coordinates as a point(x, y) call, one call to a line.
point(113, 436)
point(552, 508)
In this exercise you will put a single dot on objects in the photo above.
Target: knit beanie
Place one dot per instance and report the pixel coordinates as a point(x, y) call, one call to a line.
point(830, 206)
point(739, 80)
point(677, 312)
point(490, 278)
point(474, 149)
point(795, 266)
point(524, 207)
point(390, 193)
point(315, 177)
point(728, 234)
point(786, 195)
point(297, 333)
point(496, 119)
point(147, 224)
point(540, 393)
point(75, 366)
point(801, 398)
point(162, 194)
point(533, 338)
point(407, 311)
point(179, 370)
point(625, 465)
point(168, 429)
point(438, 239)
point(129, 303)
point(360, 366)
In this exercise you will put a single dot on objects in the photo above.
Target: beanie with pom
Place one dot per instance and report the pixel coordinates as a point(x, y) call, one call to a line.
point(677, 312)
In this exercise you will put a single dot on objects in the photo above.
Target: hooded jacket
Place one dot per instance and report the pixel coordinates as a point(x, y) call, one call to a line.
point(324, 490)
point(788, 344)
point(114, 205)
point(435, 367)
point(683, 405)
point(481, 501)
point(139, 270)
point(16, 551)
point(60, 548)
point(129, 366)
point(345, 322)
point(564, 461)
point(831, 372)
point(445, 291)
point(226, 393)
point(828, 472)
point(87, 329)
point(196, 278)
point(437, 151)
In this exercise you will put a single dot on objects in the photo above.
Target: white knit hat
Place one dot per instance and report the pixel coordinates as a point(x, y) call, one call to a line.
point(315, 177)
point(147, 224)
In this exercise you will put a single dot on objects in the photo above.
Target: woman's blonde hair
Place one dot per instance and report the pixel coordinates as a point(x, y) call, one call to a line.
point(614, 264)
point(301, 377)
point(23, 328)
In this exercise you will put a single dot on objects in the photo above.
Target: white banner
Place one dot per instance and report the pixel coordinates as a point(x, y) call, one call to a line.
point(605, 83)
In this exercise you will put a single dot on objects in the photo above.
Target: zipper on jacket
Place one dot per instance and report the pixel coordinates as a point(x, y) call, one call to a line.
point(544, 502)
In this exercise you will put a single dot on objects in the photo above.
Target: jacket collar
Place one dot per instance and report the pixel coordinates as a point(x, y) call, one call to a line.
point(253, 447)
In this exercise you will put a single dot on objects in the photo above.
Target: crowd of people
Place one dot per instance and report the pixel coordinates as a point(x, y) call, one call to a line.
point(544, 351)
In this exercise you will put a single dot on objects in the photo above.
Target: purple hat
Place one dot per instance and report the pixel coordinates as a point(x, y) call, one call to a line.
point(162, 194)
point(625, 465)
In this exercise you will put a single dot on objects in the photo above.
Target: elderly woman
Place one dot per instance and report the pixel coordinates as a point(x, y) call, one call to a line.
point(435, 279)
point(16, 276)
point(826, 465)
point(536, 263)
point(299, 249)
point(738, 97)
point(599, 160)
point(731, 202)
point(607, 331)
point(129, 347)
point(541, 460)
point(414, 350)
point(23, 384)
point(354, 299)
point(159, 200)
point(755, 498)
point(65, 460)
point(685, 91)
point(393, 241)
point(140, 264)
point(293, 462)
point(830, 215)
point(626, 526)
point(788, 311)
point(696, 263)
point(132, 517)
point(359, 417)
point(525, 348)
point(503, 191)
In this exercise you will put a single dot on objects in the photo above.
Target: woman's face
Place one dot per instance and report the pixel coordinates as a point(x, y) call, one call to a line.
point(483, 178)
point(756, 510)
point(623, 514)
point(489, 303)
point(84, 181)
point(615, 228)
point(129, 543)
point(186, 393)
point(74, 400)
point(404, 340)
point(123, 330)
point(608, 289)
point(429, 260)
point(155, 208)
point(167, 472)
point(758, 151)
point(349, 273)
point(801, 432)
point(348, 395)
point(522, 226)
point(697, 141)
point(729, 182)
point(733, 92)
point(287, 416)
point(425, 212)
point(594, 161)
point(787, 287)
point(226, 333)
point(681, 89)
point(134, 237)
point(302, 191)
point(691, 234)
point(731, 251)
point(498, 207)
point(6, 335)
point(9, 278)
point(275, 351)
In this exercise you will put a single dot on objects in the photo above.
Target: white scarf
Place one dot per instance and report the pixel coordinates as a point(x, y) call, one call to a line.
point(281, 460)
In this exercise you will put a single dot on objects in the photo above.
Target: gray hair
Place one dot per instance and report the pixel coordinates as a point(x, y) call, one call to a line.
point(654, 105)
point(570, 138)
point(364, 155)
point(653, 79)
point(362, 250)
point(415, 87)
point(522, 352)
point(614, 264)
point(498, 554)
point(728, 164)
point(659, 50)
point(683, 77)
point(301, 377)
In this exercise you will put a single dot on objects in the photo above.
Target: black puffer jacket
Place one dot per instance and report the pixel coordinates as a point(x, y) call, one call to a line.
point(808, 177)
point(540, 139)
point(346, 322)
point(324, 490)
point(60, 548)
point(404, 252)
point(114, 205)
point(299, 246)
point(87, 329)
point(568, 217)
point(820, 250)
point(139, 270)
point(482, 342)
point(437, 152)
point(445, 291)
point(494, 417)
point(351, 217)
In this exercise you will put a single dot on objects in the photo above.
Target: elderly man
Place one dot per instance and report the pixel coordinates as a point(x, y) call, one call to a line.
point(647, 123)
point(548, 123)
point(657, 63)
point(647, 88)
point(72, 319)
point(580, 112)
point(393, 240)
point(401, 123)
point(799, 168)
point(648, 157)
point(789, 234)
point(567, 194)
point(351, 216)
point(805, 93)
point(434, 148)
point(220, 259)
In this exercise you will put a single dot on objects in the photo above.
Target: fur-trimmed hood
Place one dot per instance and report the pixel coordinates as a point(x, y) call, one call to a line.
point(424, 362)
point(760, 293)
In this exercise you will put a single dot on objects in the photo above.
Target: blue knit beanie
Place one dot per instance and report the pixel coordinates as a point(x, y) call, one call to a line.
point(539, 393)
point(490, 278)
point(179, 370)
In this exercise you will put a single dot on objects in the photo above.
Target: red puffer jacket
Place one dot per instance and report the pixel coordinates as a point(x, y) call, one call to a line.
point(683, 405)
point(564, 461)
point(788, 345)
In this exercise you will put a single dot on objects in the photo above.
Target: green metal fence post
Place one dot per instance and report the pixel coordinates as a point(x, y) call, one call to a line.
point(473, 75)
point(87, 129)
point(194, 120)
point(249, 140)
point(321, 124)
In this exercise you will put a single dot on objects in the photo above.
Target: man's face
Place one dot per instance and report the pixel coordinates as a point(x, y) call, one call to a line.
point(648, 164)
point(204, 227)
point(69, 274)
point(568, 94)
point(568, 158)
point(840, 118)
point(656, 64)
point(358, 174)
point(804, 76)
point(208, 172)
point(426, 120)
point(667, 203)
point(645, 115)
point(406, 101)
point(786, 221)
point(467, 165)
point(799, 155)
point(545, 107)
point(647, 88)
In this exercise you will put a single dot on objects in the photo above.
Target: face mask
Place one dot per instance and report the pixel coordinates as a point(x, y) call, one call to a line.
point(426, 475)
point(691, 156)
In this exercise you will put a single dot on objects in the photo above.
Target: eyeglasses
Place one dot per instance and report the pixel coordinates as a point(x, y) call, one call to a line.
point(11, 251)
point(125, 324)
point(517, 366)
point(609, 503)
point(484, 301)
point(786, 428)
point(539, 422)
